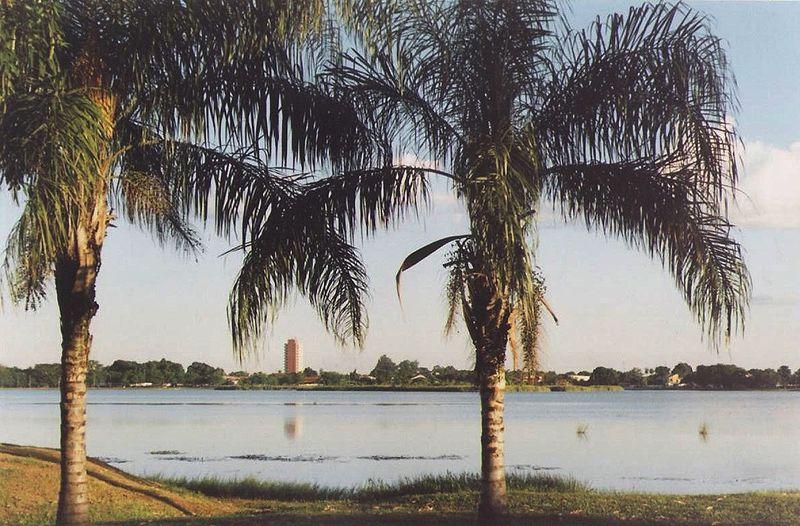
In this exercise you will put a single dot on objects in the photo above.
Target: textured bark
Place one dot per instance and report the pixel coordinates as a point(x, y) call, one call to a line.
point(76, 276)
point(76, 269)
point(493, 474)
point(487, 319)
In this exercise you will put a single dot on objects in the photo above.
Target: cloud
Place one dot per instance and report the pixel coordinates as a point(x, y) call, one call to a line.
point(411, 159)
point(770, 186)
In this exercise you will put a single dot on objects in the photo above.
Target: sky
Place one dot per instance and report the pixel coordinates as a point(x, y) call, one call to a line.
point(616, 307)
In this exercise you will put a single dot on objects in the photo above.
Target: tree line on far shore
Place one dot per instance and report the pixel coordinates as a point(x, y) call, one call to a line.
point(126, 373)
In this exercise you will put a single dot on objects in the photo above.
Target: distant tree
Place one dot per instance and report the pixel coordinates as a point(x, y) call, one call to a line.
point(257, 379)
point(199, 374)
point(604, 376)
point(549, 377)
point(632, 378)
point(96, 375)
point(308, 371)
point(660, 375)
point(15, 377)
point(763, 378)
point(331, 378)
point(384, 370)
point(153, 373)
point(174, 373)
point(515, 377)
point(6, 377)
point(682, 369)
point(785, 375)
point(46, 375)
point(722, 376)
point(405, 371)
point(124, 373)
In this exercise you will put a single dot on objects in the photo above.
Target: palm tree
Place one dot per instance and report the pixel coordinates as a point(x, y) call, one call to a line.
point(110, 106)
point(625, 125)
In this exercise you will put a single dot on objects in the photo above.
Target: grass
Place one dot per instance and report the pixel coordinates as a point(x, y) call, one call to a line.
point(372, 491)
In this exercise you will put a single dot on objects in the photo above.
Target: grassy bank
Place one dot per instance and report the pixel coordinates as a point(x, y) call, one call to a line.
point(371, 492)
point(29, 484)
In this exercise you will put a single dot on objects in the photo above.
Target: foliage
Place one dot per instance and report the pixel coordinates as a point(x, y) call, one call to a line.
point(372, 491)
point(40, 375)
point(199, 373)
point(384, 370)
point(169, 111)
point(406, 370)
point(604, 376)
point(682, 369)
point(124, 373)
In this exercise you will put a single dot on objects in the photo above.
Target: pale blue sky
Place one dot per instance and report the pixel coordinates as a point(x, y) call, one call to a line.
point(617, 307)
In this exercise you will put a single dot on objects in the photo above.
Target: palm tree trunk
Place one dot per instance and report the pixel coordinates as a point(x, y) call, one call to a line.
point(76, 275)
point(492, 386)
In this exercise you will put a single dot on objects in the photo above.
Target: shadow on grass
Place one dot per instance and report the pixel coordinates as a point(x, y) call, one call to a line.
point(367, 519)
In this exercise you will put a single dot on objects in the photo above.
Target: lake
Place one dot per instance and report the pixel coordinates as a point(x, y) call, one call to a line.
point(634, 440)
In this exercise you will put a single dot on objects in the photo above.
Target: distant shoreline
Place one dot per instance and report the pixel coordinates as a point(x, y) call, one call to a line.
point(421, 389)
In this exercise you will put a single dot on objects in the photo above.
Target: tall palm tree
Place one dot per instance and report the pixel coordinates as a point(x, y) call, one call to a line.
point(110, 106)
point(624, 125)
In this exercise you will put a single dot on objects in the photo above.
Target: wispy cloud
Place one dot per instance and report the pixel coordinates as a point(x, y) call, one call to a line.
point(770, 186)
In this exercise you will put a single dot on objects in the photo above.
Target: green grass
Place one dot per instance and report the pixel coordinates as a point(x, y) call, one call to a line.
point(528, 508)
point(372, 491)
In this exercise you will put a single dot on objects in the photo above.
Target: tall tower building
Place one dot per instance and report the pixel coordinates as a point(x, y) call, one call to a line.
point(291, 356)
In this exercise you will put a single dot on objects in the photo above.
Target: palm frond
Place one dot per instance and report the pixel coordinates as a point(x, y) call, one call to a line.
point(231, 189)
point(654, 206)
point(646, 84)
point(30, 36)
point(319, 264)
point(55, 137)
point(371, 198)
point(147, 202)
point(175, 61)
point(421, 253)
point(455, 290)
point(31, 250)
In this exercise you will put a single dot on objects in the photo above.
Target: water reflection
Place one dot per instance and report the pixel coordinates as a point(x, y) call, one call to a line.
point(703, 432)
point(581, 430)
point(293, 427)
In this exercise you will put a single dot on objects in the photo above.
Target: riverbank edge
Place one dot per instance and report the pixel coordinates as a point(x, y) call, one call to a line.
point(422, 388)
point(444, 500)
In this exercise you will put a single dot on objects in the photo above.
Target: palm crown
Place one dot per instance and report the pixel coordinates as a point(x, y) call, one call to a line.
point(625, 125)
point(124, 100)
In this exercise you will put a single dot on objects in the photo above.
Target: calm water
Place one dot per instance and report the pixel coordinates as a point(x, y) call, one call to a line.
point(642, 440)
